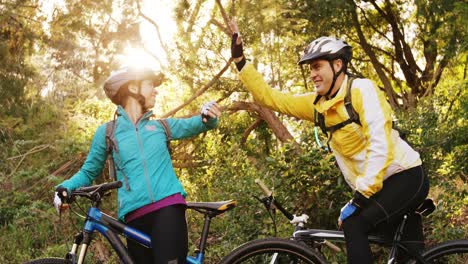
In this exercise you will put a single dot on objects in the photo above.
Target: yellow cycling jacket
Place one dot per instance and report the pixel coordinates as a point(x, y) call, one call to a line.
point(366, 154)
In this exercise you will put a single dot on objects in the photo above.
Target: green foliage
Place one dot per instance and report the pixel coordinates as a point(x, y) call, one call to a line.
point(86, 36)
point(20, 30)
point(438, 129)
point(52, 102)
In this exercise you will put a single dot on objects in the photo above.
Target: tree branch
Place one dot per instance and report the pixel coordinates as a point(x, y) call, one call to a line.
point(273, 122)
point(249, 130)
point(200, 91)
point(226, 30)
point(368, 50)
point(457, 97)
point(373, 27)
point(402, 50)
point(224, 15)
point(189, 164)
point(23, 156)
point(156, 26)
point(193, 15)
point(304, 76)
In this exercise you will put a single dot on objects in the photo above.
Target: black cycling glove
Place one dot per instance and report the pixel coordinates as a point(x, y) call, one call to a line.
point(60, 191)
point(237, 51)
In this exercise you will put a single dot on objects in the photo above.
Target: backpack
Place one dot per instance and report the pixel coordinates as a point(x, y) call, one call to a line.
point(319, 119)
point(111, 146)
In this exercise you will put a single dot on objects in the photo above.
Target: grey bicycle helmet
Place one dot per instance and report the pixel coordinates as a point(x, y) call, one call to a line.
point(328, 48)
point(124, 75)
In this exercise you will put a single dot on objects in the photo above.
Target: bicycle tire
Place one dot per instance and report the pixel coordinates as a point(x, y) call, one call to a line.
point(273, 250)
point(49, 261)
point(450, 252)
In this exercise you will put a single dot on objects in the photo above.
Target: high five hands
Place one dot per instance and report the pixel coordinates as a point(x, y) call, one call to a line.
point(212, 109)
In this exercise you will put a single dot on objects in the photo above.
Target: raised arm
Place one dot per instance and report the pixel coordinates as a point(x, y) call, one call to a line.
point(300, 105)
point(189, 127)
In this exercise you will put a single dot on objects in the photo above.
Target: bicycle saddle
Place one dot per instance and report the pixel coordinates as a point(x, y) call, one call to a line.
point(213, 207)
point(426, 208)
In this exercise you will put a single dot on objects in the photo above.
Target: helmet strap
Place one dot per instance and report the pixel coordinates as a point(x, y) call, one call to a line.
point(335, 76)
point(140, 98)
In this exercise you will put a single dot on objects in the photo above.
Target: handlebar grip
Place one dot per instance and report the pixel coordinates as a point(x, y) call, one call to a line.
point(114, 185)
point(264, 188)
point(269, 194)
point(102, 187)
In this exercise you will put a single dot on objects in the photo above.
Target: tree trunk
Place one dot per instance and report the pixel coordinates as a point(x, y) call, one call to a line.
point(273, 122)
point(375, 62)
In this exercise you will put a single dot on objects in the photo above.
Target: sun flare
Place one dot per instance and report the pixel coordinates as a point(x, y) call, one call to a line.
point(138, 57)
point(153, 55)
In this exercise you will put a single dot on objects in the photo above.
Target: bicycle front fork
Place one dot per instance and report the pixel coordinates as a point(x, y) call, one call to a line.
point(83, 239)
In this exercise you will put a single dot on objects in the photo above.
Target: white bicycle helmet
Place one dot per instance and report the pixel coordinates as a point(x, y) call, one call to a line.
point(127, 74)
point(328, 48)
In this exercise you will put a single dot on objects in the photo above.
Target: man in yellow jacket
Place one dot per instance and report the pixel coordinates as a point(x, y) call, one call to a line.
point(384, 172)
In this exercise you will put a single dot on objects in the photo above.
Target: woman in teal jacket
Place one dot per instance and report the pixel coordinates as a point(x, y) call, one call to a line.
point(152, 198)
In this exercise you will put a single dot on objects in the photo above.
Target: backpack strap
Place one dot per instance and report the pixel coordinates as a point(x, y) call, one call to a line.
point(168, 133)
point(319, 119)
point(111, 148)
point(110, 139)
point(110, 145)
point(353, 116)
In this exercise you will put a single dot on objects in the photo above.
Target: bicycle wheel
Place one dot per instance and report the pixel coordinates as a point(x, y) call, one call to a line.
point(49, 261)
point(273, 250)
point(450, 252)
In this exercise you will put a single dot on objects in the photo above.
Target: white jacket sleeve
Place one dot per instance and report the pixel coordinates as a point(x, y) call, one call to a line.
point(376, 118)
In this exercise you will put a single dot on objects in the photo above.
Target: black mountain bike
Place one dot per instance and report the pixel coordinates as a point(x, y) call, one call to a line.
point(110, 228)
point(304, 246)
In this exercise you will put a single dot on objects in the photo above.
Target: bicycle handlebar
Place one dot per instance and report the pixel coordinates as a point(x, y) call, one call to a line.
point(264, 188)
point(101, 187)
point(299, 221)
point(269, 195)
point(91, 191)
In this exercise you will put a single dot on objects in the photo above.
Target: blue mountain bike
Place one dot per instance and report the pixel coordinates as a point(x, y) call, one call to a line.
point(112, 229)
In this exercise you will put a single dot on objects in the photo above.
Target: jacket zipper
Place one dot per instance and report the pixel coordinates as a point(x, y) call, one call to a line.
point(140, 146)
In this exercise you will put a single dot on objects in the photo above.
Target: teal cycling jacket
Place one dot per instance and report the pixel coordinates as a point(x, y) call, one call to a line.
point(142, 157)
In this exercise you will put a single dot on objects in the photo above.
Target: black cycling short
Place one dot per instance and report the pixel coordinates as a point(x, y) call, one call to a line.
point(401, 193)
point(167, 228)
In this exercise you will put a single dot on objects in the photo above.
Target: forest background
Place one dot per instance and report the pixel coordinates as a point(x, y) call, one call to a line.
point(55, 55)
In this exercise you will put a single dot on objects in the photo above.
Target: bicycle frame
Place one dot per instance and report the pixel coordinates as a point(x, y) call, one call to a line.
point(110, 228)
point(324, 236)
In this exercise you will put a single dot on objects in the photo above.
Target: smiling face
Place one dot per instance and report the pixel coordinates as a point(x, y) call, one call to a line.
point(321, 74)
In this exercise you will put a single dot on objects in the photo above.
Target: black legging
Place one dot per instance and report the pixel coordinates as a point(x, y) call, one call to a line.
point(168, 230)
point(400, 193)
